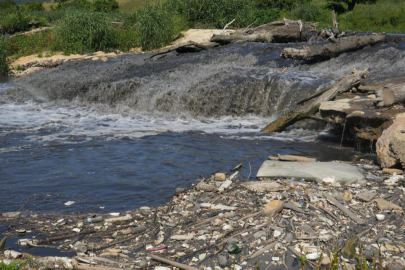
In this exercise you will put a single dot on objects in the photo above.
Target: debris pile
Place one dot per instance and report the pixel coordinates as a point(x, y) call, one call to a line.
point(224, 221)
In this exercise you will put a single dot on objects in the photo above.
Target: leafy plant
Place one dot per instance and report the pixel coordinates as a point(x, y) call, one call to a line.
point(83, 32)
point(106, 6)
point(155, 28)
point(3, 57)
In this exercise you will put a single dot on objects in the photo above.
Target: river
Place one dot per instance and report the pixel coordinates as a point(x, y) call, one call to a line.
point(118, 135)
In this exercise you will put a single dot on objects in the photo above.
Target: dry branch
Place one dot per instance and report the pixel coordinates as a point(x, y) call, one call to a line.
point(311, 107)
point(322, 52)
point(172, 263)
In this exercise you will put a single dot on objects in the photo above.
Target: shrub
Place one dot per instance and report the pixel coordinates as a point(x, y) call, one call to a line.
point(82, 32)
point(20, 45)
point(155, 28)
point(106, 6)
point(34, 6)
point(6, 5)
point(3, 57)
point(11, 22)
point(126, 39)
point(310, 13)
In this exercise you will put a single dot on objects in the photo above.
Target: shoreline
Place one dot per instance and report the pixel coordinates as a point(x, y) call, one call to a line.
point(220, 222)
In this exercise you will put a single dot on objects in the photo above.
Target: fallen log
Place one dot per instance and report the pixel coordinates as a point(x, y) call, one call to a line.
point(279, 31)
point(307, 110)
point(322, 52)
point(393, 93)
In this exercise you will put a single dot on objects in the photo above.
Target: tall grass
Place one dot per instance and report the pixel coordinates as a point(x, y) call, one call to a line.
point(384, 16)
point(21, 45)
point(156, 27)
point(83, 32)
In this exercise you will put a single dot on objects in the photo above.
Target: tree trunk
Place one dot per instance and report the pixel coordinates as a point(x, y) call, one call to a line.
point(323, 52)
point(309, 109)
point(393, 93)
point(279, 31)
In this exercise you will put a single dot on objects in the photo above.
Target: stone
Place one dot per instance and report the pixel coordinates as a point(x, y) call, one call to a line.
point(386, 205)
point(392, 248)
point(264, 186)
point(347, 196)
point(220, 177)
point(316, 171)
point(259, 234)
point(11, 254)
point(366, 196)
point(349, 248)
point(390, 147)
point(306, 229)
point(206, 187)
point(223, 259)
point(379, 217)
point(289, 237)
point(273, 207)
point(392, 171)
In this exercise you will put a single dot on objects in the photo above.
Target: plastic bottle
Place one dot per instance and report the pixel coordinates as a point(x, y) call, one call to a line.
point(95, 219)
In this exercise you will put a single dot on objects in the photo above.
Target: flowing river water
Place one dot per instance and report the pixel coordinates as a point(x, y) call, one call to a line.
point(122, 134)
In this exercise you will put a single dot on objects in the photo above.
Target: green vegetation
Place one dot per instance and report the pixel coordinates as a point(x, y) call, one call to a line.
point(81, 32)
point(85, 26)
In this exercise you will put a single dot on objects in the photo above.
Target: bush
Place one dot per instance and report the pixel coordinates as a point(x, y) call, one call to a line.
point(106, 6)
point(155, 28)
point(12, 22)
point(6, 5)
point(82, 32)
point(34, 6)
point(310, 13)
point(20, 45)
point(3, 57)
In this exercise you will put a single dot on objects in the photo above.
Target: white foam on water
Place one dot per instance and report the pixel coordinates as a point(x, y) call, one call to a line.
point(42, 124)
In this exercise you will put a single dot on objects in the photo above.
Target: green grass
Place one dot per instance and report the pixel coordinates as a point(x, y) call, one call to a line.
point(22, 45)
point(385, 16)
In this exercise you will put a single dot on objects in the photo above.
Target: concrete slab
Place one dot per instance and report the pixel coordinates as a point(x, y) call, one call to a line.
point(315, 171)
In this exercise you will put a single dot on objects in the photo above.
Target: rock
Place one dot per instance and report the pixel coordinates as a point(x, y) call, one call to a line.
point(259, 234)
point(392, 171)
point(289, 237)
point(392, 248)
point(347, 196)
point(390, 147)
point(366, 196)
point(206, 187)
point(386, 205)
point(264, 186)
point(202, 256)
point(223, 207)
point(223, 259)
point(349, 248)
point(379, 217)
point(162, 268)
point(310, 170)
point(11, 254)
point(273, 207)
point(306, 229)
point(220, 177)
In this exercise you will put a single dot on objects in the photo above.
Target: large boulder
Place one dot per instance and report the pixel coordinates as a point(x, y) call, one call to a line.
point(391, 144)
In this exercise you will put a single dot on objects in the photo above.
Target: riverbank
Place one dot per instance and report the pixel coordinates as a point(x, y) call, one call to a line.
point(224, 221)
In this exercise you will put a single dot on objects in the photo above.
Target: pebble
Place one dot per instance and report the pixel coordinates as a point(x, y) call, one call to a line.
point(273, 207)
point(223, 259)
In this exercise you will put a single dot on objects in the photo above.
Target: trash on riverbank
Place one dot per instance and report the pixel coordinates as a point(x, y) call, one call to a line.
point(226, 221)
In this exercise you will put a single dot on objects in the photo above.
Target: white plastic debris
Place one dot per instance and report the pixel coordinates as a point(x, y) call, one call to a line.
point(69, 203)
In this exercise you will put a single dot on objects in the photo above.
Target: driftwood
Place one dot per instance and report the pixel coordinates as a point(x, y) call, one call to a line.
point(312, 106)
point(342, 208)
point(393, 93)
point(279, 31)
point(190, 47)
point(322, 52)
point(172, 263)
